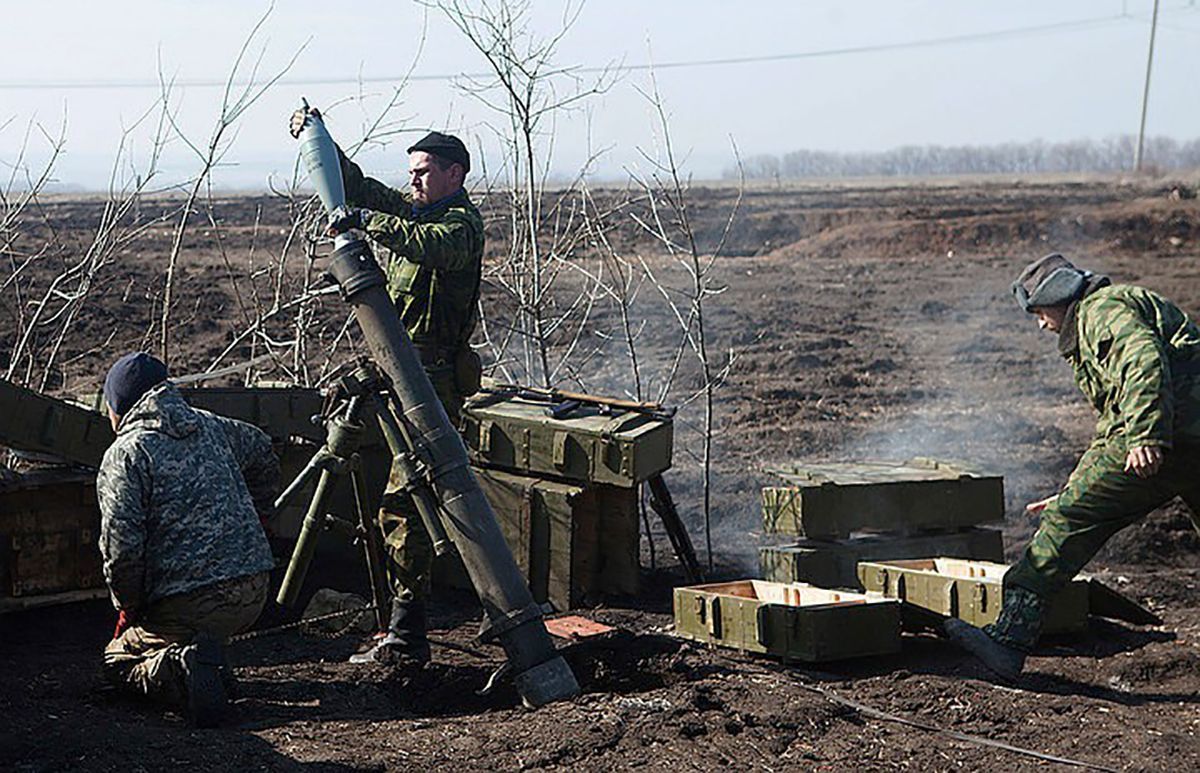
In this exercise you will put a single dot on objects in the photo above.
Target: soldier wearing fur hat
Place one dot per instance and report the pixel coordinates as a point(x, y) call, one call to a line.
point(1136, 358)
point(432, 250)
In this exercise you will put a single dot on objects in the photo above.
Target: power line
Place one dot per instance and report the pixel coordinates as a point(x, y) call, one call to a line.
point(976, 37)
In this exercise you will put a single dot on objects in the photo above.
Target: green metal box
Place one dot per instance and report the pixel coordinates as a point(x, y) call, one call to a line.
point(49, 527)
point(968, 590)
point(587, 445)
point(575, 544)
point(831, 501)
point(789, 620)
point(834, 564)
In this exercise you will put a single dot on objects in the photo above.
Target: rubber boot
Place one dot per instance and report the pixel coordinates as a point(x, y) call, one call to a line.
point(404, 643)
point(205, 699)
point(1005, 662)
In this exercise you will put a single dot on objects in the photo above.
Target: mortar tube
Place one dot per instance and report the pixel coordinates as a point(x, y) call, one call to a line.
point(540, 673)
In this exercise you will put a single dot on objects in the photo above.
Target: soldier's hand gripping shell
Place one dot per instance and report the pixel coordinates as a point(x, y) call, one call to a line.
point(296, 125)
point(346, 219)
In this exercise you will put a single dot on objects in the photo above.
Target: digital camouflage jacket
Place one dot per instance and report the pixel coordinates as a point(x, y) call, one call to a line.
point(179, 489)
point(436, 258)
point(1137, 357)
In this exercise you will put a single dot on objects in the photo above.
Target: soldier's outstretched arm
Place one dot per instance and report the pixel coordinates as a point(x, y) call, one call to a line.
point(123, 490)
point(369, 193)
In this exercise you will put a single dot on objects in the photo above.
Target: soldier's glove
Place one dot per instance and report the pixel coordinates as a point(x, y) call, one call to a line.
point(346, 219)
point(296, 125)
point(124, 620)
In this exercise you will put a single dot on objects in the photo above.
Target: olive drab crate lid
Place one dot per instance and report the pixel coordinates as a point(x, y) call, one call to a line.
point(794, 621)
point(587, 443)
point(834, 563)
point(973, 591)
point(835, 499)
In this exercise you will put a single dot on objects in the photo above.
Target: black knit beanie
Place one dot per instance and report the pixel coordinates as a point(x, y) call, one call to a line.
point(131, 377)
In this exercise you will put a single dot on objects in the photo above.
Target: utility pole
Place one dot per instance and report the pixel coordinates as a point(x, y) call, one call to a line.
point(1137, 159)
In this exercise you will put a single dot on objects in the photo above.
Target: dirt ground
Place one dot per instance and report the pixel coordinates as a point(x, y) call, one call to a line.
point(867, 321)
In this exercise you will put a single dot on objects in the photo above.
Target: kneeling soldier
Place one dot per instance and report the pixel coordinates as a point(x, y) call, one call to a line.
point(1136, 357)
point(186, 558)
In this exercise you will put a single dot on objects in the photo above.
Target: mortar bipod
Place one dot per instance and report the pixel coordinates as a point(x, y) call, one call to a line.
point(358, 401)
point(344, 428)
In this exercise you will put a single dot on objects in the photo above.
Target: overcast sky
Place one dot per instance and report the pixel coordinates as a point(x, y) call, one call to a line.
point(829, 75)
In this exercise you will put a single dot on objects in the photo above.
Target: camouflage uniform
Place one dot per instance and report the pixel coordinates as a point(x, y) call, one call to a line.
point(434, 263)
point(184, 551)
point(1136, 357)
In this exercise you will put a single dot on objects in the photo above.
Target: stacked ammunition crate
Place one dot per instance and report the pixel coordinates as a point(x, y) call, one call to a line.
point(49, 517)
point(844, 513)
point(563, 480)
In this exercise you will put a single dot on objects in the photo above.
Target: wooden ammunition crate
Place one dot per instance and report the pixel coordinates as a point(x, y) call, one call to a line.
point(49, 527)
point(586, 446)
point(969, 590)
point(834, 564)
point(789, 620)
point(575, 544)
point(832, 501)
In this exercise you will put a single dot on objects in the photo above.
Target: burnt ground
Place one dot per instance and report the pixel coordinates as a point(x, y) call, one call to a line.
point(866, 321)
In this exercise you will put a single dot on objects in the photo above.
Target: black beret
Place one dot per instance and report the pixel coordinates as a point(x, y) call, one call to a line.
point(445, 146)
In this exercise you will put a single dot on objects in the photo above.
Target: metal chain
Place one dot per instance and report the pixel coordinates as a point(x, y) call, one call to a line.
point(358, 612)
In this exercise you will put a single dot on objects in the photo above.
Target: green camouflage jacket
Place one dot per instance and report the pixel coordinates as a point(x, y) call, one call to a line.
point(1136, 357)
point(180, 494)
point(436, 258)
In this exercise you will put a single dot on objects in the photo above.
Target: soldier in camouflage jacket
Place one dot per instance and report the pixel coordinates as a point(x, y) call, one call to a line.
point(432, 240)
point(186, 559)
point(1136, 357)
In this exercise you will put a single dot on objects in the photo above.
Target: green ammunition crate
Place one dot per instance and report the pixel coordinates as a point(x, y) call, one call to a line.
point(834, 564)
point(281, 412)
point(42, 424)
point(49, 527)
point(831, 501)
point(789, 620)
point(575, 544)
point(968, 590)
point(586, 446)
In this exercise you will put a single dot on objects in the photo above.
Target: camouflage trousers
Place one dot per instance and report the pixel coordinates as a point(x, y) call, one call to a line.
point(1099, 500)
point(406, 542)
point(145, 657)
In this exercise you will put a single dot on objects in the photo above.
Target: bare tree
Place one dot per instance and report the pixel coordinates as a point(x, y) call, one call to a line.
point(235, 100)
point(527, 90)
point(45, 324)
point(670, 223)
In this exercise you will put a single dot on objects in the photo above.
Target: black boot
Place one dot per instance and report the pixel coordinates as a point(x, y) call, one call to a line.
point(1005, 662)
point(204, 690)
point(405, 643)
point(1002, 646)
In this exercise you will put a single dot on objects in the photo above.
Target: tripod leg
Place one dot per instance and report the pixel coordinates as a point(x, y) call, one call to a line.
point(373, 550)
point(664, 505)
point(402, 461)
point(306, 543)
